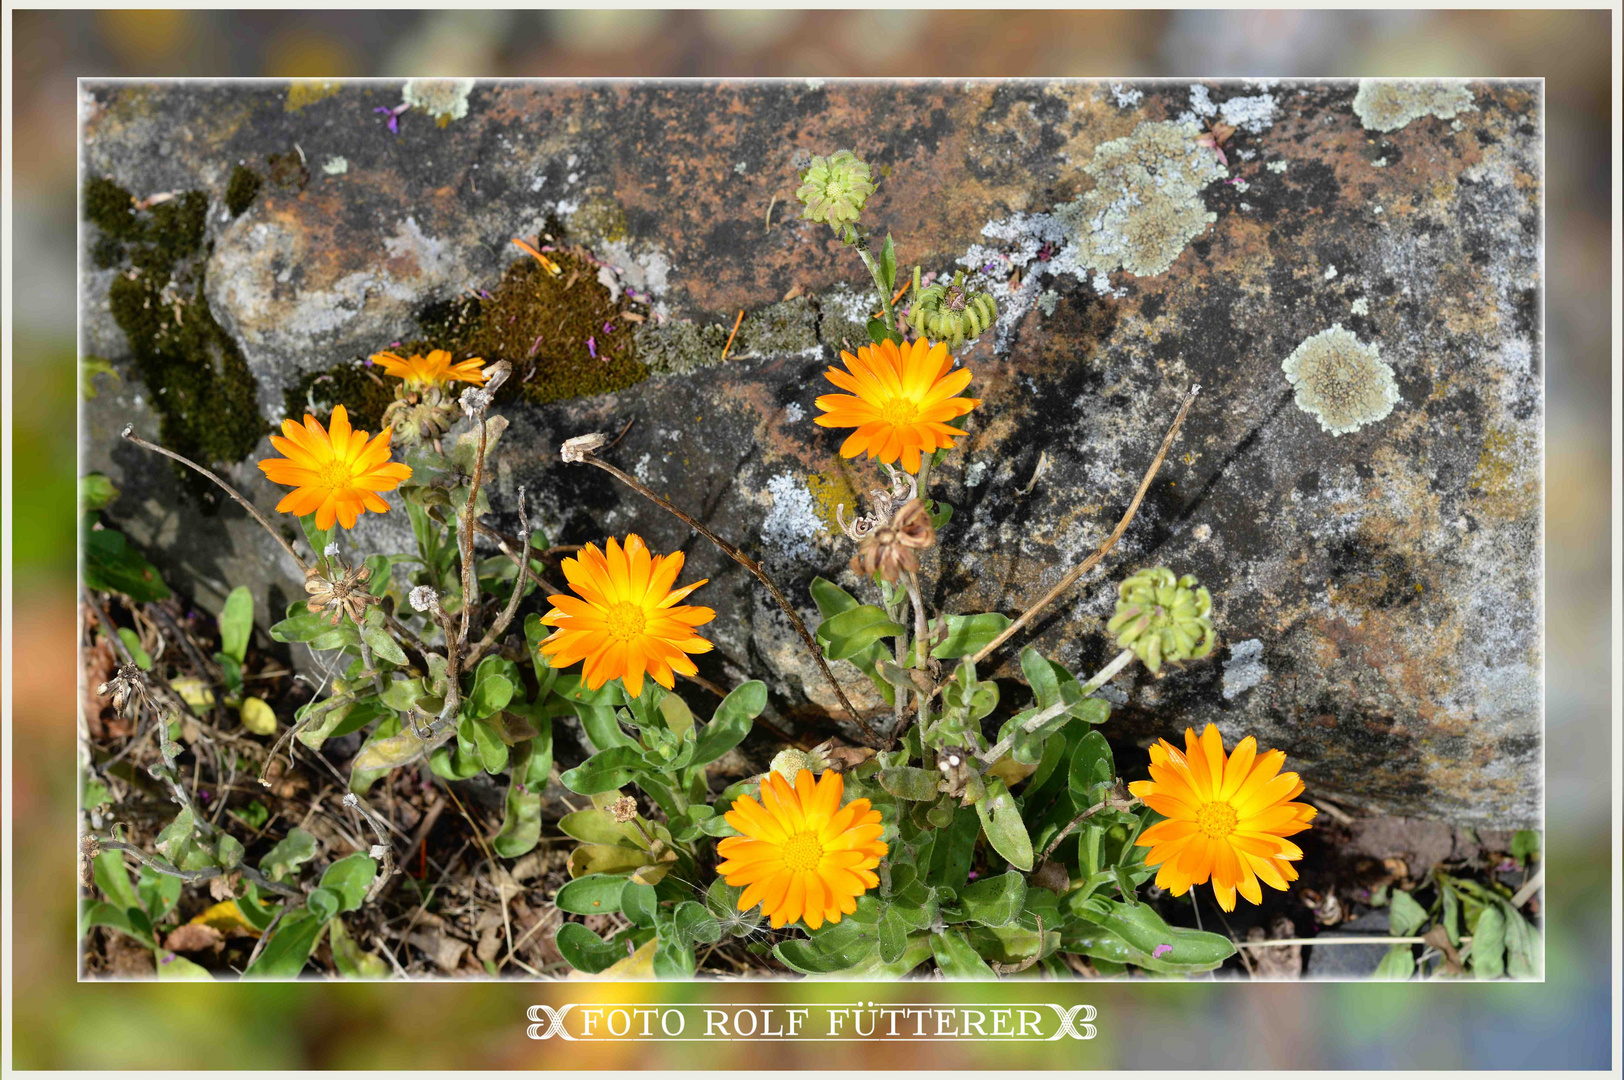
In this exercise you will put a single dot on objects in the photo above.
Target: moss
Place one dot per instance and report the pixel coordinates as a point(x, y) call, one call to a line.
point(110, 208)
point(197, 378)
point(541, 322)
point(288, 170)
point(242, 189)
point(364, 393)
point(309, 91)
point(599, 218)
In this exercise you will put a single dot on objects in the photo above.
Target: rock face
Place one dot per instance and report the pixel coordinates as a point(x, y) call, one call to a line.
point(1377, 593)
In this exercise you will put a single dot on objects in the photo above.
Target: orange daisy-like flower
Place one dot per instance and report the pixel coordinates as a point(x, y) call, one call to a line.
point(336, 475)
point(803, 855)
point(436, 369)
point(1227, 817)
point(627, 619)
point(900, 402)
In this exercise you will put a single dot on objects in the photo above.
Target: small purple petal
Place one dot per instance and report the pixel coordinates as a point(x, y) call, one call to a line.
point(1160, 951)
point(974, 874)
point(167, 959)
point(608, 327)
point(592, 347)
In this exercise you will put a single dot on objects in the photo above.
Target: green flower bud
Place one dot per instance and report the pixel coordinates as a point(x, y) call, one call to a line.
point(1163, 618)
point(835, 188)
point(952, 313)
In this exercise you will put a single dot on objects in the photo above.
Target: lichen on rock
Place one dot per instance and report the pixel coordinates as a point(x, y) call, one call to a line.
point(444, 99)
point(1147, 203)
point(1340, 381)
point(1388, 105)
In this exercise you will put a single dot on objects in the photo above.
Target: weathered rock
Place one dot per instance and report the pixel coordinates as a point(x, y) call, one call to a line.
point(1380, 588)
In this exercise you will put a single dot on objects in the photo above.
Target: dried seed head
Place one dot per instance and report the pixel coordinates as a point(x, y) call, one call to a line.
point(126, 688)
point(339, 589)
point(895, 546)
point(475, 401)
point(624, 809)
point(577, 449)
point(423, 598)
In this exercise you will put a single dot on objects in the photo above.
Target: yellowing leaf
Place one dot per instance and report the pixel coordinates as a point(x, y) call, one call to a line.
point(258, 717)
point(227, 918)
point(639, 965)
point(195, 691)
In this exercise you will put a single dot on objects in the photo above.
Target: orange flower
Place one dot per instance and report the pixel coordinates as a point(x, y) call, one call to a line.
point(1227, 817)
point(904, 397)
point(436, 369)
point(335, 475)
point(803, 855)
point(626, 620)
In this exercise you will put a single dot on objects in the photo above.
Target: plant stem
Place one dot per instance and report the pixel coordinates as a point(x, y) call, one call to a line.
point(1002, 746)
point(1071, 826)
point(129, 433)
point(757, 572)
point(470, 595)
point(1110, 542)
point(520, 561)
point(154, 863)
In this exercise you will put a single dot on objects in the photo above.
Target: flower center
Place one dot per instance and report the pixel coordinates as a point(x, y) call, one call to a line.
point(834, 189)
point(1216, 819)
point(803, 852)
point(899, 412)
point(336, 474)
point(626, 621)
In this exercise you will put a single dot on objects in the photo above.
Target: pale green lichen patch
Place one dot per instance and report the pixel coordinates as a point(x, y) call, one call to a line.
point(444, 99)
point(1147, 203)
point(1388, 105)
point(1341, 381)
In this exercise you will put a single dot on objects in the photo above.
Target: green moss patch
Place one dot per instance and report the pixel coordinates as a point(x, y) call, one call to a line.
point(242, 188)
point(196, 377)
point(363, 392)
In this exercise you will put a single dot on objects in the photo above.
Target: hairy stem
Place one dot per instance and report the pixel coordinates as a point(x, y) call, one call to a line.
point(470, 596)
point(154, 863)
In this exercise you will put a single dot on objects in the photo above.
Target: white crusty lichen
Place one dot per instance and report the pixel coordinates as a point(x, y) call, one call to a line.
point(1387, 105)
point(1146, 205)
point(444, 99)
point(1341, 381)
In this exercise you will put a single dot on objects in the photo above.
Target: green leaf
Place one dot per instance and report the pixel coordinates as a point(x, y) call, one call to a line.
point(1002, 824)
point(851, 632)
point(693, 925)
point(158, 893)
point(258, 718)
point(383, 643)
point(915, 785)
point(281, 863)
point(175, 841)
point(492, 688)
point(173, 967)
point(1525, 846)
point(487, 744)
point(314, 630)
point(1405, 916)
point(132, 642)
point(237, 623)
point(353, 962)
point(993, 901)
point(316, 538)
point(1397, 966)
point(640, 903)
point(955, 848)
point(112, 565)
point(254, 815)
point(289, 946)
point(731, 722)
point(888, 266)
point(95, 492)
point(877, 332)
point(831, 598)
point(350, 878)
point(1143, 932)
point(1091, 766)
point(1489, 944)
point(968, 634)
point(586, 951)
point(957, 959)
point(521, 818)
point(1524, 951)
point(131, 921)
point(89, 367)
point(597, 827)
point(604, 771)
point(594, 894)
point(229, 850)
point(323, 902)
